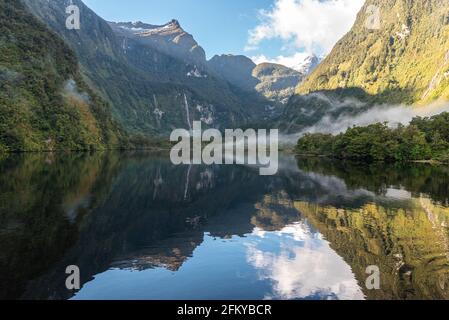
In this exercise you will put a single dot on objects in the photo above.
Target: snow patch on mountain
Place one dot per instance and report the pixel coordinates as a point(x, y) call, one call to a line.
point(302, 62)
point(196, 73)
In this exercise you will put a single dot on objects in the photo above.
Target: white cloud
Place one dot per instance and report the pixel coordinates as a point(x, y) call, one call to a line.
point(305, 266)
point(312, 25)
point(295, 61)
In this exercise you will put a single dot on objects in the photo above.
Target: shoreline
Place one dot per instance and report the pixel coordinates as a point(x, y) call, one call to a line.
point(60, 151)
point(431, 161)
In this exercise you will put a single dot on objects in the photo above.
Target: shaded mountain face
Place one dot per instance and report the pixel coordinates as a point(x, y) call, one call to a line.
point(150, 90)
point(234, 69)
point(169, 38)
point(404, 61)
point(185, 64)
point(276, 82)
point(44, 102)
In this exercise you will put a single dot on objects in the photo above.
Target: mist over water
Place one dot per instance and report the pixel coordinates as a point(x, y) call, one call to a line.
point(394, 115)
point(384, 113)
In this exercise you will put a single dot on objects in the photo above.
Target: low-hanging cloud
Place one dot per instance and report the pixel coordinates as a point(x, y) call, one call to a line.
point(393, 115)
point(385, 113)
point(71, 89)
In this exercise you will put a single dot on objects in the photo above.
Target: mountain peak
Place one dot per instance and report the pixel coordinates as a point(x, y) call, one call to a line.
point(168, 38)
point(236, 69)
point(175, 23)
point(307, 65)
point(142, 28)
point(241, 60)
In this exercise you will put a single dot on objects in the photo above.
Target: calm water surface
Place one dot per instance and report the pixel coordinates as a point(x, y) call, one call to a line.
point(140, 228)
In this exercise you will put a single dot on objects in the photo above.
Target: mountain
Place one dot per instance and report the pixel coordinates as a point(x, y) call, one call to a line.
point(44, 102)
point(169, 38)
point(307, 65)
point(235, 69)
point(152, 88)
point(276, 82)
point(404, 61)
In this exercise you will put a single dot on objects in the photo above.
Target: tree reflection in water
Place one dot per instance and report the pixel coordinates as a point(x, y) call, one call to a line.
point(307, 233)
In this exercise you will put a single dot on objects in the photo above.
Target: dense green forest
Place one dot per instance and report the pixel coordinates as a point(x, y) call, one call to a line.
point(44, 102)
point(422, 139)
point(404, 61)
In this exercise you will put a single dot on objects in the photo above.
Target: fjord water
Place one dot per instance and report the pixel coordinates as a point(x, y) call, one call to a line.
point(140, 228)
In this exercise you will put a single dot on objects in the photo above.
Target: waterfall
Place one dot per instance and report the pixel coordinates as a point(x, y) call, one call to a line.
point(155, 102)
point(186, 103)
point(186, 187)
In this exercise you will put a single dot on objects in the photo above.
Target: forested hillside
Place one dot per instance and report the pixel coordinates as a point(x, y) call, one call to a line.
point(151, 82)
point(44, 102)
point(404, 59)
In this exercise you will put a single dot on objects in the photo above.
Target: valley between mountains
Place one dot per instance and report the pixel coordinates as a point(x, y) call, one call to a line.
point(129, 84)
point(86, 182)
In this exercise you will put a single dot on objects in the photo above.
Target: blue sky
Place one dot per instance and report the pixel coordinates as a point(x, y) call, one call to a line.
point(271, 30)
point(220, 26)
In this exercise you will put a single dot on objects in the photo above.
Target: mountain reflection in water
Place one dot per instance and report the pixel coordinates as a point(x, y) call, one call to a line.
point(141, 228)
